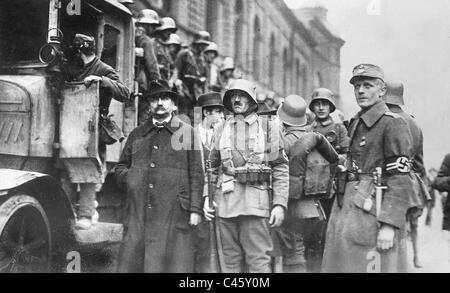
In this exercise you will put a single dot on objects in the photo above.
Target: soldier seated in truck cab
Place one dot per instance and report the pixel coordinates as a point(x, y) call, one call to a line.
point(84, 66)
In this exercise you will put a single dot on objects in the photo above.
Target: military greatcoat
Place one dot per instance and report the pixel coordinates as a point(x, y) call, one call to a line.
point(379, 138)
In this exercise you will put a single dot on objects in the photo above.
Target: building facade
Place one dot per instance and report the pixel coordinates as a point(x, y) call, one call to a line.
point(283, 51)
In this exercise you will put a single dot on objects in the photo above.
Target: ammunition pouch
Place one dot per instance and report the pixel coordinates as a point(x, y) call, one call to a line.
point(253, 174)
point(228, 168)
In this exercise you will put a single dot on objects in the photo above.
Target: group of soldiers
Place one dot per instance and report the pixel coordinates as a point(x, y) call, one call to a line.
point(189, 70)
point(257, 190)
point(279, 192)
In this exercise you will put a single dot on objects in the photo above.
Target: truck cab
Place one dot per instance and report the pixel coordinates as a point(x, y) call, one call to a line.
point(49, 127)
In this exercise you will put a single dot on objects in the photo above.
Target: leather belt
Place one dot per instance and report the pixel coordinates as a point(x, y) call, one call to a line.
point(354, 176)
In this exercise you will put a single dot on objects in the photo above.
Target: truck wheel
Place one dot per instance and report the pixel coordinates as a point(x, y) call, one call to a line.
point(25, 237)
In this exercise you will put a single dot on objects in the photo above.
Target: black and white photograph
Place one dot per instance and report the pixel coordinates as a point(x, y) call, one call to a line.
point(224, 137)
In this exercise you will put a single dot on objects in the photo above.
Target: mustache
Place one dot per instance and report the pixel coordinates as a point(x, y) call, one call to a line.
point(160, 108)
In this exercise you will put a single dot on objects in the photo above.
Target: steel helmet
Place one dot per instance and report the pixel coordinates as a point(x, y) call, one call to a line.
point(148, 16)
point(227, 64)
point(212, 47)
point(394, 94)
point(293, 111)
point(167, 23)
point(202, 38)
point(242, 85)
point(174, 39)
point(322, 94)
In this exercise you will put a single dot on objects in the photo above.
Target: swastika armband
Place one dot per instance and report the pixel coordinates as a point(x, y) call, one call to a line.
point(398, 166)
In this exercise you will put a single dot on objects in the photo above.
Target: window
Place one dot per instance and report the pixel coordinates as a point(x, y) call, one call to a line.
point(256, 48)
point(272, 60)
point(86, 23)
point(318, 80)
point(109, 54)
point(22, 35)
point(305, 81)
point(167, 5)
point(285, 70)
point(238, 31)
point(212, 16)
point(298, 86)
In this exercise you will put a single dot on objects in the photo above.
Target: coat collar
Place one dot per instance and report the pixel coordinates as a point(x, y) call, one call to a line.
point(371, 116)
point(324, 123)
point(250, 119)
point(174, 124)
point(290, 128)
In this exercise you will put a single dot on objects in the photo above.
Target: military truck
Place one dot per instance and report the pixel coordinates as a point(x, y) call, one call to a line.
point(49, 128)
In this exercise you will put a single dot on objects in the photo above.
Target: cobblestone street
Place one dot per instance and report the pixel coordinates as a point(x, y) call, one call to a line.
point(434, 245)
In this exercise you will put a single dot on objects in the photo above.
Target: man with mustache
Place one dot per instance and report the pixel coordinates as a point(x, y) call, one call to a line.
point(161, 171)
point(363, 237)
point(251, 163)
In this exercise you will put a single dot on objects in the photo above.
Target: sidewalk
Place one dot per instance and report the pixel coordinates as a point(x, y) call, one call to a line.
point(434, 245)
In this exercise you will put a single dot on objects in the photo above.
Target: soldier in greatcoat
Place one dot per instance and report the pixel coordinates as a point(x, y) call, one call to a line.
point(420, 196)
point(364, 236)
point(161, 170)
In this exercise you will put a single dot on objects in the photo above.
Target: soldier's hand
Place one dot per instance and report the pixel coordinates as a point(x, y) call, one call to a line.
point(386, 237)
point(342, 160)
point(276, 217)
point(209, 213)
point(90, 79)
point(195, 219)
point(139, 52)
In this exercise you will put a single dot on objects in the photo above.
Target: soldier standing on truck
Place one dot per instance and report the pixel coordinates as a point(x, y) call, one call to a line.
point(162, 35)
point(146, 63)
point(211, 53)
point(85, 66)
point(187, 73)
point(226, 73)
point(251, 164)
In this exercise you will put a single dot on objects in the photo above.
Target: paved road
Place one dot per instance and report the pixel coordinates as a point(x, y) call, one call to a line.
point(434, 245)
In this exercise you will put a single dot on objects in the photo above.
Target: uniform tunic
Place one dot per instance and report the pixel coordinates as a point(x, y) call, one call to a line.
point(147, 67)
point(334, 132)
point(188, 72)
point(164, 186)
point(421, 195)
point(302, 210)
point(243, 212)
point(163, 59)
point(378, 137)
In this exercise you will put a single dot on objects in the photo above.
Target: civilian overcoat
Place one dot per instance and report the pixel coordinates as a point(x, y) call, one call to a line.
point(161, 169)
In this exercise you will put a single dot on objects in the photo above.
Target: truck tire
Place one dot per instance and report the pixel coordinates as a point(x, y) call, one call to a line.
point(25, 236)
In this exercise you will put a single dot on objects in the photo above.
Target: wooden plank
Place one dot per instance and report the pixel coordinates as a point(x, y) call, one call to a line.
point(79, 118)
